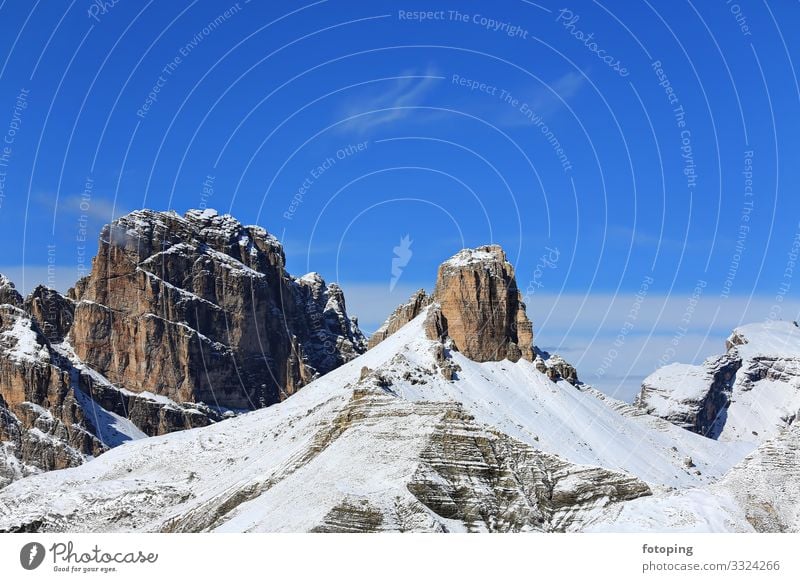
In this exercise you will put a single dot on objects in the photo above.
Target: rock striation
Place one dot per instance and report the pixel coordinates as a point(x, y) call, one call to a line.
point(199, 308)
point(438, 471)
point(765, 485)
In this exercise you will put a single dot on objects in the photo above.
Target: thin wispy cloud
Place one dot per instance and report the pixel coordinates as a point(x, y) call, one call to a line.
point(96, 208)
point(540, 100)
point(567, 86)
point(395, 102)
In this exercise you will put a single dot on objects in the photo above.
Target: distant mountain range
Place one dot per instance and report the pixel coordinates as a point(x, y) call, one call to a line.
point(189, 383)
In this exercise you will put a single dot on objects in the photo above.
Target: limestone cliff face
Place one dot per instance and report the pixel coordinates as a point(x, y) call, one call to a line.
point(55, 413)
point(479, 307)
point(53, 311)
point(200, 308)
point(42, 424)
point(401, 316)
point(476, 306)
point(180, 319)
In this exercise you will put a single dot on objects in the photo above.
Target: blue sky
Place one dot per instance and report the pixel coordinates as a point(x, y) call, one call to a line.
point(603, 144)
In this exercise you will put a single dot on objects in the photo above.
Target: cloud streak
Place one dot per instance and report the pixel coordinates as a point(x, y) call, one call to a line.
point(396, 103)
point(541, 100)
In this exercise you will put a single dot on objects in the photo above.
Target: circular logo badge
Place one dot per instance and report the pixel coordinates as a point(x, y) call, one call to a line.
point(31, 555)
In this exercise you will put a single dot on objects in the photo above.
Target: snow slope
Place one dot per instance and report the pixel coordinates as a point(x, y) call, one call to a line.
point(384, 442)
point(579, 424)
point(761, 494)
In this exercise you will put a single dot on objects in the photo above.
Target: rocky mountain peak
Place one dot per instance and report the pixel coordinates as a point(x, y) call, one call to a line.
point(487, 256)
point(200, 308)
point(53, 311)
point(8, 292)
point(478, 306)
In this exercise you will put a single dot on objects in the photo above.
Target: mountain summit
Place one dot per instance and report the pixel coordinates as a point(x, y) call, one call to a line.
point(200, 308)
point(477, 308)
point(750, 393)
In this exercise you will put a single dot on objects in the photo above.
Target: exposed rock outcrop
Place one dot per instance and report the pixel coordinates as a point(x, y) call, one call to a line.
point(182, 322)
point(692, 397)
point(490, 482)
point(52, 311)
point(8, 293)
point(43, 426)
point(401, 316)
point(555, 367)
point(480, 307)
point(750, 393)
point(201, 309)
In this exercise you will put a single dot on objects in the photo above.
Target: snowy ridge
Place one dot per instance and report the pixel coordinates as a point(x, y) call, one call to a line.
point(561, 419)
point(774, 339)
point(749, 394)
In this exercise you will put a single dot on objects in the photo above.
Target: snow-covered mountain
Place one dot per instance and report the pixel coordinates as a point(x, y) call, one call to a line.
point(414, 435)
point(751, 393)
